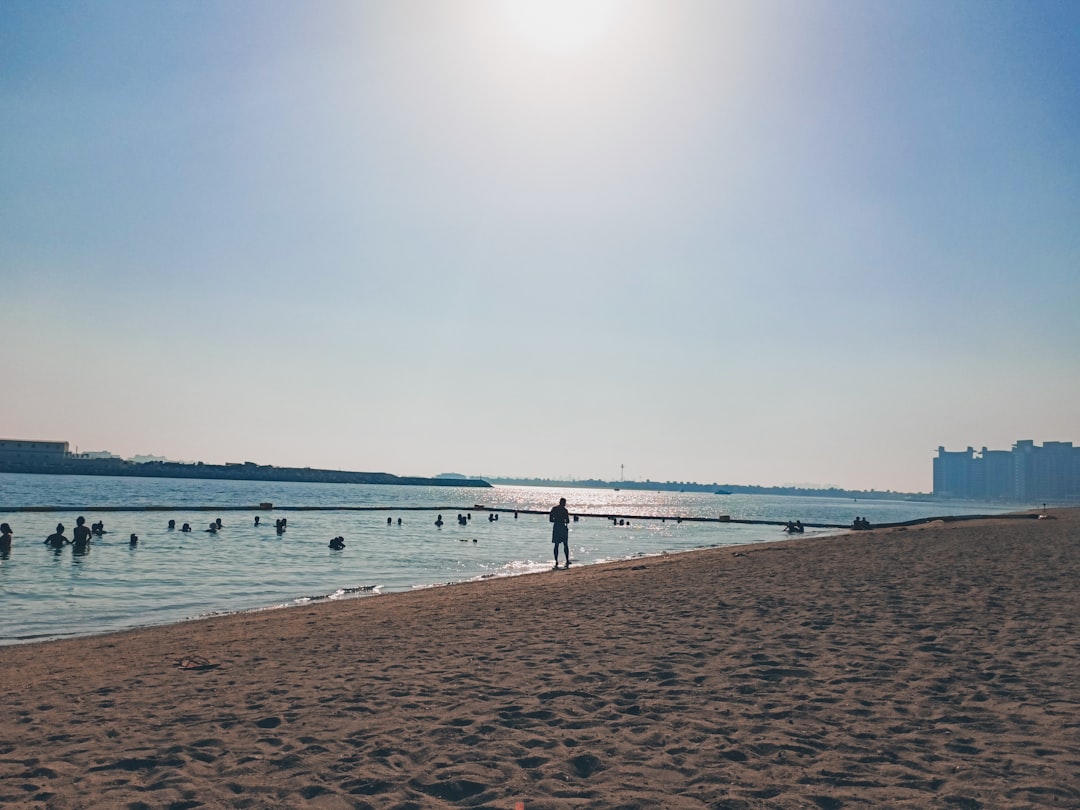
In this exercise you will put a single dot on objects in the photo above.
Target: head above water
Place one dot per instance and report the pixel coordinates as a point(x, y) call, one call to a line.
point(80, 520)
point(5, 528)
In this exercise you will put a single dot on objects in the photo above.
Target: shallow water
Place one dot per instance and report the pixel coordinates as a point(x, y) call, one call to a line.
point(170, 576)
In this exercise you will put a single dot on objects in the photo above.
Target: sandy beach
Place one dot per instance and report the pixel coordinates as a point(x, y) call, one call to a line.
point(931, 667)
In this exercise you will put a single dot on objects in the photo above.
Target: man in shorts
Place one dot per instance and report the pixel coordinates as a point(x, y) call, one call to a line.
point(560, 530)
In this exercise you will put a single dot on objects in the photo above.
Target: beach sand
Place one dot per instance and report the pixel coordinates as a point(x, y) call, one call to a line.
point(931, 667)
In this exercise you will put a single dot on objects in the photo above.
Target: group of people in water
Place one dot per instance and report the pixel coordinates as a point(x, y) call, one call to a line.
point(80, 536)
point(794, 527)
point(559, 516)
point(860, 523)
point(463, 520)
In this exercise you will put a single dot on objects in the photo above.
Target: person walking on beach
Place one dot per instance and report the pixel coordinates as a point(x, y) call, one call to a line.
point(560, 530)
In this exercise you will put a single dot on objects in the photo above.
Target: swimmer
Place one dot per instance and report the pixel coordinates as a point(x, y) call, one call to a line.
point(134, 541)
point(57, 539)
point(212, 529)
point(338, 543)
point(218, 521)
point(172, 525)
point(256, 520)
point(186, 527)
point(5, 538)
point(438, 521)
point(80, 538)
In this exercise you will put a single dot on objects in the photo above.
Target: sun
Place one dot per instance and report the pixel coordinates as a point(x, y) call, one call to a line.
point(560, 26)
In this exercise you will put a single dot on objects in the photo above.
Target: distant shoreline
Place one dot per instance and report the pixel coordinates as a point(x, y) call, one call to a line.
point(228, 472)
point(717, 489)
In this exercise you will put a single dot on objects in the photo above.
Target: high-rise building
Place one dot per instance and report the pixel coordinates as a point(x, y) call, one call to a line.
point(1027, 473)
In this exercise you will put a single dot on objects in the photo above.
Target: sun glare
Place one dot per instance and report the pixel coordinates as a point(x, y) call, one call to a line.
point(560, 26)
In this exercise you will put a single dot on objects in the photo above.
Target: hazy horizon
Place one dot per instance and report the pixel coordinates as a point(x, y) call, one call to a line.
point(711, 241)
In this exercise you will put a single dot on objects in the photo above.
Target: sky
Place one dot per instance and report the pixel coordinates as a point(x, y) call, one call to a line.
point(771, 242)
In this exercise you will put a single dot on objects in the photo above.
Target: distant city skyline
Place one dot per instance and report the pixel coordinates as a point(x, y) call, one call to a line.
point(757, 242)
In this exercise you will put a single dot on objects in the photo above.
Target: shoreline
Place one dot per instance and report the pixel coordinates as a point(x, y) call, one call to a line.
point(369, 591)
point(931, 666)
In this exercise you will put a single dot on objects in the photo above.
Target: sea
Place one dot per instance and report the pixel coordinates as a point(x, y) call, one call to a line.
point(392, 542)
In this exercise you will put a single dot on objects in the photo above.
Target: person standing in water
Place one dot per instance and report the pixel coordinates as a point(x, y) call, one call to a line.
point(57, 539)
point(80, 538)
point(560, 530)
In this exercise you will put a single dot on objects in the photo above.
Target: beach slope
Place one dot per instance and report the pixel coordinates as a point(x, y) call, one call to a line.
point(929, 667)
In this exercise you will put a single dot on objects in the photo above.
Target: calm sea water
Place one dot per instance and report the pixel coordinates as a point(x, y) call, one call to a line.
point(171, 576)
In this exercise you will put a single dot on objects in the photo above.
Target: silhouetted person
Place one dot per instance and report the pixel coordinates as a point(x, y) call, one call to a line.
point(438, 521)
point(218, 522)
point(399, 521)
point(134, 540)
point(799, 526)
point(57, 539)
point(186, 527)
point(212, 529)
point(5, 538)
point(256, 520)
point(80, 537)
point(338, 543)
point(560, 530)
point(389, 521)
point(98, 528)
point(172, 525)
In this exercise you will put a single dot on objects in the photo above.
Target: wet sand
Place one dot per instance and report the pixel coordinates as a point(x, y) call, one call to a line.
point(930, 667)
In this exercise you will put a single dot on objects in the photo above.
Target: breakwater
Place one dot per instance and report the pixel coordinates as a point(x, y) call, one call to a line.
point(222, 472)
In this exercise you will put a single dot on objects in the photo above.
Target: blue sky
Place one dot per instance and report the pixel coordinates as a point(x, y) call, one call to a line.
point(777, 242)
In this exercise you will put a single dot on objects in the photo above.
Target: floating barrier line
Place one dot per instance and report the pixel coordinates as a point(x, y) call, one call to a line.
point(473, 508)
point(481, 508)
